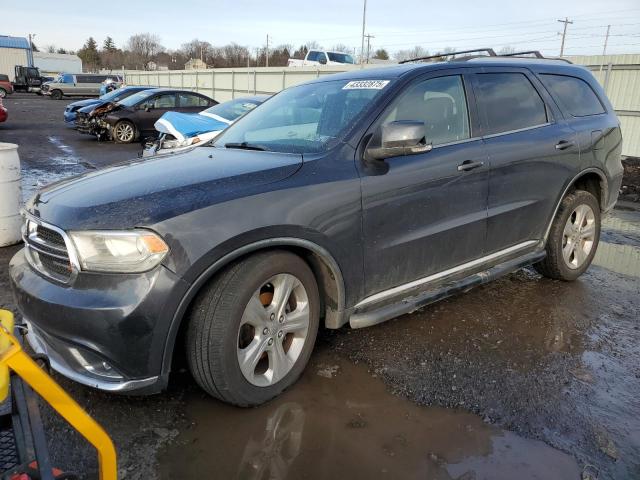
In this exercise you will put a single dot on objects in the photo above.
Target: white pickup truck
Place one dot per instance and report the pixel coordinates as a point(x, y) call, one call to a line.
point(321, 57)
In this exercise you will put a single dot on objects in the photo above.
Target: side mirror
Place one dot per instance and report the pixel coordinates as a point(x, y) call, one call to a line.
point(322, 60)
point(399, 138)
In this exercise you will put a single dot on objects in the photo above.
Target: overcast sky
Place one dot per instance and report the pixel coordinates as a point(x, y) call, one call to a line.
point(396, 24)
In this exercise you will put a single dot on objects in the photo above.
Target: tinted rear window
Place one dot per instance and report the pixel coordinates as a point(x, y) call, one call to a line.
point(4, 78)
point(575, 95)
point(509, 102)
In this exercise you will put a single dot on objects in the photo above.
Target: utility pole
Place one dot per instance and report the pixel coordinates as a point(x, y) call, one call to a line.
point(369, 37)
point(267, 51)
point(31, 37)
point(364, 20)
point(564, 33)
point(604, 49)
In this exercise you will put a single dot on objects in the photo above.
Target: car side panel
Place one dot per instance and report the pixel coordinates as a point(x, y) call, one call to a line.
point(320, 203)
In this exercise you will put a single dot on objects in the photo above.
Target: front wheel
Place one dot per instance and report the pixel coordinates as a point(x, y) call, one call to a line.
point(573, 238)
point(56, 95)
point(124, 132)
point(3, 93)
point(252, 330)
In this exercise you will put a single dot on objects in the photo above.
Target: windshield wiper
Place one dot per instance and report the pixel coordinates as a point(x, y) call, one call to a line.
point(245, 146)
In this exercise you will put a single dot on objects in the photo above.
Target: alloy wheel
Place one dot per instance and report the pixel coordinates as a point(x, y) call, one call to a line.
point(124, 132)
point(578, 236)
point(273, 330)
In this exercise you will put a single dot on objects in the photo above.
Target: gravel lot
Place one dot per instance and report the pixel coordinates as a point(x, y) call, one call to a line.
point(523, 378)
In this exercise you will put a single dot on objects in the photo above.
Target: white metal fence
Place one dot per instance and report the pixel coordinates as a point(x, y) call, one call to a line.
point(226, 83)
point(619, 75)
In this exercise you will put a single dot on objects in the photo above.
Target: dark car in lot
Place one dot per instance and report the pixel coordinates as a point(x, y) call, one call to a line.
point(70, 112)
point(132, 118)
point(351, 199)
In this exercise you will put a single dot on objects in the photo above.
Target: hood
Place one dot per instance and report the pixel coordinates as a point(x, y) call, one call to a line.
point(100, 106)
point(184, 125)
point(143, 193)
point(84, 103)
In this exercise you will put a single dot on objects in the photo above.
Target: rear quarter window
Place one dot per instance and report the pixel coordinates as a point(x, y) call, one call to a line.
point(574, 94)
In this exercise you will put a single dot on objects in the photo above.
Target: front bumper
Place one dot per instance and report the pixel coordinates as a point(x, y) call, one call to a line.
point(105, 331)
point(70, 119)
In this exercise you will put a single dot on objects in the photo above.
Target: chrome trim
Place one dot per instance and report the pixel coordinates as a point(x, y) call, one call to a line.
point(71, 251)
point(59, 365)
point(392, 292)
point(509, 132)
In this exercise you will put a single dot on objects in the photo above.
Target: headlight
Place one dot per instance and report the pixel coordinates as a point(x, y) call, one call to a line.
point(130, 251)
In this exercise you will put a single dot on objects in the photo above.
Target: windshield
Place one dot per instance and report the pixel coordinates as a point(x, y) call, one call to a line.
point(340, 57)
point(115, 94)
point(135, 98)
point(233, 109)
point(306, 119)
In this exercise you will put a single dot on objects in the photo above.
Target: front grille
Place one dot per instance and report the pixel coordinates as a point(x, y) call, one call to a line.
point(47, 251)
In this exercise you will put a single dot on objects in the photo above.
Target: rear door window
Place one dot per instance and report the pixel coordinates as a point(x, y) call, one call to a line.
point(508, 101)
point(165, 101)
point(440, 103)
point(313, 56)
point(191, 100)
point(574, 94)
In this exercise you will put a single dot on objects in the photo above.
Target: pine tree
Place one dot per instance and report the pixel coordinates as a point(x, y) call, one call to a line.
point(109, 45)
point(89, 55)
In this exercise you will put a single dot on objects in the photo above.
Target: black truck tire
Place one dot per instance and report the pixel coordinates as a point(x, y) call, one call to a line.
point(215, 335)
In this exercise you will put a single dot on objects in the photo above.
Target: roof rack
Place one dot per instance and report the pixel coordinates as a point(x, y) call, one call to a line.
point(535, 53)
point(489, 53)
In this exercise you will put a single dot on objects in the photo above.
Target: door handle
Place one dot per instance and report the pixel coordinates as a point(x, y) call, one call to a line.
point(469, 165)
point(564, 144)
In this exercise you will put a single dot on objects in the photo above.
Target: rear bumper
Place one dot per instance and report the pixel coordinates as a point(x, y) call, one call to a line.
point(104, 331)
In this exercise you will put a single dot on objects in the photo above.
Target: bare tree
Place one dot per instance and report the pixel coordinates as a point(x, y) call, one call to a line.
point(341, 47)
point(142, 48)
point(198, 49)
point(313, 45)
point(506, 50)
point(415, 52)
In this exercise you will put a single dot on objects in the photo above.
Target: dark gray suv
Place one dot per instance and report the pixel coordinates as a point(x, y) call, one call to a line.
point(351, 199)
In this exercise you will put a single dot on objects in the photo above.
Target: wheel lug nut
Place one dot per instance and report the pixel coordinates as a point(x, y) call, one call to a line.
point(265, 331)
point(270, 341)
point(281, 319)
point(280, 334)
point(273, 316)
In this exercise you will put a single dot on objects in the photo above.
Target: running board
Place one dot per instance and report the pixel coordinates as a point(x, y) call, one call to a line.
point(413, 303)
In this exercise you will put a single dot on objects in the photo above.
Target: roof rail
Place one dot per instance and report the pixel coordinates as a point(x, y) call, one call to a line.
point(489, 53)
point(535, 53)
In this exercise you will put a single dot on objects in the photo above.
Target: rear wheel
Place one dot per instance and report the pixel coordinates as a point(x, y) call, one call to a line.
point(573, 238)
point(3, 93)
point(56, 95)
point(124, 132)
point(252, 330)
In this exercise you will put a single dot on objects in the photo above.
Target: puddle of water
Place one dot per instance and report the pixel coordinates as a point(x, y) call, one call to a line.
point(340, 422)
point(619, 247)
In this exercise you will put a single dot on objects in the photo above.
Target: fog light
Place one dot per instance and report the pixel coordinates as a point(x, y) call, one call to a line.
point(96, 366)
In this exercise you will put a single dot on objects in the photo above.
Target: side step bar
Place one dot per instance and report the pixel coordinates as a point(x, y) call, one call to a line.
point(413, 303)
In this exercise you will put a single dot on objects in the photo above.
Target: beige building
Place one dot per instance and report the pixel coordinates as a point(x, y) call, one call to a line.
point(195, 64)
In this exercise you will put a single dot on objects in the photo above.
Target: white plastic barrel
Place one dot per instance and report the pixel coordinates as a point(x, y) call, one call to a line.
point(10, 194)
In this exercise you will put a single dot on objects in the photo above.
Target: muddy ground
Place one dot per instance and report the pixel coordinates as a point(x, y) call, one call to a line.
point(523, 378)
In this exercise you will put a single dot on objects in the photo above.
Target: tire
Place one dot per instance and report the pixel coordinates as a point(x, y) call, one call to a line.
point(124, 132)
point(56, 95)
point(573, 238)
point(220, 332)
point(3, 93)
